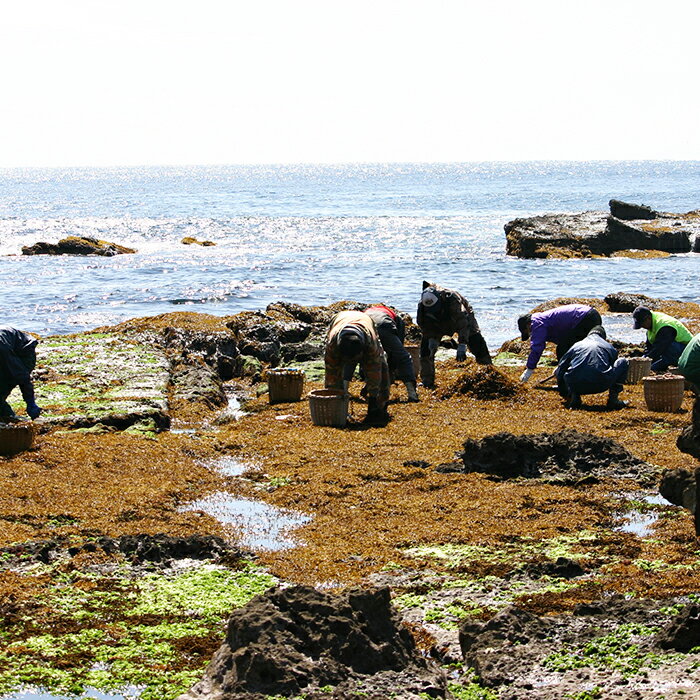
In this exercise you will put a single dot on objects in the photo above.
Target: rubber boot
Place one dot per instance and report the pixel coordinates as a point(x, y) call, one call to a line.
point(614, 401)
point(411, 391)
point(573, 402)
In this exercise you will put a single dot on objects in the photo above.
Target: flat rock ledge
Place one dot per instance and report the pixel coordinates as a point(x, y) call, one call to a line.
point(628, 227)
point(77, 245)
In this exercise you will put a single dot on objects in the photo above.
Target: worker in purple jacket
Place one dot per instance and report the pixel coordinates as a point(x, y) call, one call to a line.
point(562, 325)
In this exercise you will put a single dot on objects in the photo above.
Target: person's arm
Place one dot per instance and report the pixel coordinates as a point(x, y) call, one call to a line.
point(665, 336)
point(334, 369)
point(538, 341)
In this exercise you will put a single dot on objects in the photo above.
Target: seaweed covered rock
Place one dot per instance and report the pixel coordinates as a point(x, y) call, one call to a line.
point(77, 245)
point(566, 457)
point(295, 640)
point(595, 233)
point(482, 382)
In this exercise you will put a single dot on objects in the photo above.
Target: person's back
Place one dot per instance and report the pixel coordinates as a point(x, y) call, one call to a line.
point(591, 366)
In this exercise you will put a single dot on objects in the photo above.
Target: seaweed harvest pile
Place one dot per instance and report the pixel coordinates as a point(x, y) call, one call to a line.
point(483, 382)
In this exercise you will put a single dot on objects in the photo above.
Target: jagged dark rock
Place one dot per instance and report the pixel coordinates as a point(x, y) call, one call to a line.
point(77, 245)
point(294, 640)
point(565, 457)
point(624, 302)
point(630, 212)
point(683, 633)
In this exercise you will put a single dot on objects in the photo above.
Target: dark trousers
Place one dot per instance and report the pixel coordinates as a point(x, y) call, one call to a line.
point(669, 356)
point(579, 332)
point(587, 380)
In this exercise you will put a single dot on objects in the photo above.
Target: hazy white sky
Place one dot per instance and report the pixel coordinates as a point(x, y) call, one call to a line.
point(130, 82)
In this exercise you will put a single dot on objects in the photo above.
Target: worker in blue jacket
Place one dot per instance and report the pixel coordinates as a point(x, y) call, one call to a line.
point(592, 366)
point(17, 361)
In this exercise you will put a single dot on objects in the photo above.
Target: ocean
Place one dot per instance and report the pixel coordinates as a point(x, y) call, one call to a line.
point(314, 234)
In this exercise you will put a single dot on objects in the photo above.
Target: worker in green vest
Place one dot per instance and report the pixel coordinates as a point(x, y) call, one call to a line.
point(666, 337)
point(689, 362)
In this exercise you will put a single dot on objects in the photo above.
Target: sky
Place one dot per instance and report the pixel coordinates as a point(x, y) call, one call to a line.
point(169, 82)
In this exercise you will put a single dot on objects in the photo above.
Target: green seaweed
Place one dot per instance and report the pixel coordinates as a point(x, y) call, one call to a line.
point(114, 634)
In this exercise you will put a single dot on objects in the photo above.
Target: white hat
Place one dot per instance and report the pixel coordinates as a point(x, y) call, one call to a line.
point(429, 298)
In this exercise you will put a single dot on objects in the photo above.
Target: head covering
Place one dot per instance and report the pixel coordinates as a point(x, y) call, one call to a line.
point(351, 342)
point(523, 323)
point(598, 330)
point(639, 314)
point(429, 297)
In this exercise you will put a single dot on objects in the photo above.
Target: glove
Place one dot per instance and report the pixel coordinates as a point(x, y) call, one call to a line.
point(33, 410)
point(433, 345)
point(526, 375)
point(461, 352)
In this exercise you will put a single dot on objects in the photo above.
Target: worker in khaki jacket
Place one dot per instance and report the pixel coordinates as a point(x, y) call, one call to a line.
point(352, 339)
point(444, 312)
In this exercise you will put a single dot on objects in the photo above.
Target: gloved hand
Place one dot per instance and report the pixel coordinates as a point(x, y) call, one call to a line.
point(526, 375)
point(33, 410)
point(461, 352)
point(433, 345)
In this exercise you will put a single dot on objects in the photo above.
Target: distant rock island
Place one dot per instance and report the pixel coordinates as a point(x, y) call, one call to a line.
point(629, 229)
point(77, 245)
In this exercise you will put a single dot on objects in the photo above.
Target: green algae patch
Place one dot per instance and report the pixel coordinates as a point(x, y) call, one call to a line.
point(93, 378)
point(620, 651)
point(155, 633)
point(460, 556)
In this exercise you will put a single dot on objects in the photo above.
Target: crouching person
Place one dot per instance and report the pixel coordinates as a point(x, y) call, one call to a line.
point(591, 366)
point(17, 361)
point(352, 339)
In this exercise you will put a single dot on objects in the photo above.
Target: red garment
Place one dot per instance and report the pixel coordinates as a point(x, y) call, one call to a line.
point(384, 309)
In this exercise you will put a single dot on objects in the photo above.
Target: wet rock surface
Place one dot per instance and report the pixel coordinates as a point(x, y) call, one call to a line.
point(566, 457)
point(612, 649)
point(160, 550)
point(627, 227)
point(77, 245)
point(298, 640)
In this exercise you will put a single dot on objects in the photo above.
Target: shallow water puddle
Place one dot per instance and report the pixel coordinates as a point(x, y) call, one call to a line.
point(90, 693)
point(259, 525)
point(639, 522)
point(231, 466)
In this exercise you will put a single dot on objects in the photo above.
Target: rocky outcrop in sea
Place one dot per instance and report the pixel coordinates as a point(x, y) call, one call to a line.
point(628, 227)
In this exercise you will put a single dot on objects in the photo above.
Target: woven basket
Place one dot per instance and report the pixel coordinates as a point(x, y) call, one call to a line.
point(664, 393)
point(284, 384)
point(639, 367)
point(328, 407)
point(16, 438)
point(414, 352)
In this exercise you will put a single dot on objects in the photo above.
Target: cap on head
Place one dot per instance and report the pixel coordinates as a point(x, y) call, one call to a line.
point(524, 326)
point(351, 342)
point(598, 330)
point(429, 297)
point(639, 314)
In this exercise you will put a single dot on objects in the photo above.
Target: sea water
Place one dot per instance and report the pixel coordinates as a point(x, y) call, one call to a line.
point(317, 234)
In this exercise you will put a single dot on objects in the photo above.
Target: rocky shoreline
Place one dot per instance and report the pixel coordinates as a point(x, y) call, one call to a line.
point(628, 229)
point(503, 547)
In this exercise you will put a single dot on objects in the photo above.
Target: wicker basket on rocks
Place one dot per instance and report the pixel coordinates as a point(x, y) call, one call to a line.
point(16, 437)
point(664, 392)
point(328, 407)
point(284, 385)
point(640, 367)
